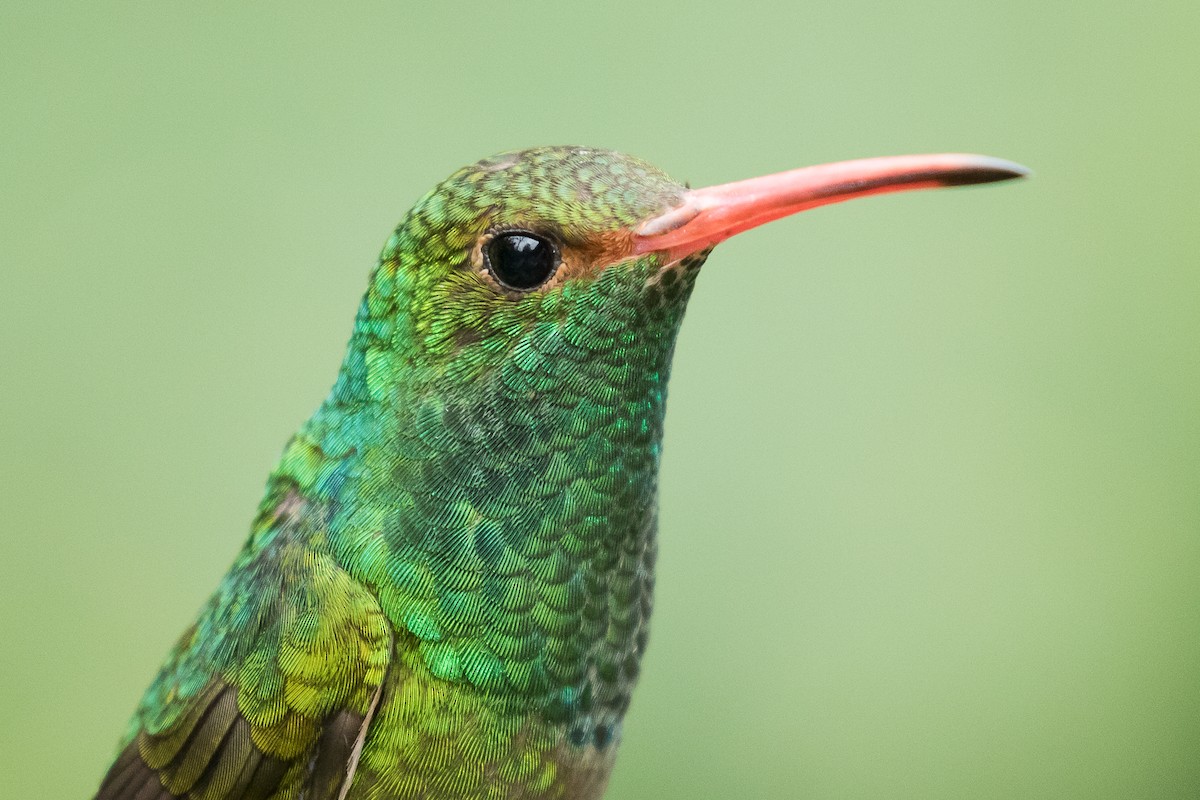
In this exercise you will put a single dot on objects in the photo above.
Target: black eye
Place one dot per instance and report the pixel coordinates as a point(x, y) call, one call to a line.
point(521, 260)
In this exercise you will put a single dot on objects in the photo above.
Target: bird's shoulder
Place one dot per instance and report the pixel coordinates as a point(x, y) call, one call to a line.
point(274, 685)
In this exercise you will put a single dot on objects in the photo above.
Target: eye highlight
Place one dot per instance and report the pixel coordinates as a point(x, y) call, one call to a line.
point(521, 260)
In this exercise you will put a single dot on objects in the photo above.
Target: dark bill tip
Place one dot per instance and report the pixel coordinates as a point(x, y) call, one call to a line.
point(986, 170)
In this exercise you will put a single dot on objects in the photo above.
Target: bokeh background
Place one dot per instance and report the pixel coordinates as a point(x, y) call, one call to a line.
point(931, 487)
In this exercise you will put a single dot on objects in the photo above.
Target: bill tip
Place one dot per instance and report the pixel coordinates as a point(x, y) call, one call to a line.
point(986, 169)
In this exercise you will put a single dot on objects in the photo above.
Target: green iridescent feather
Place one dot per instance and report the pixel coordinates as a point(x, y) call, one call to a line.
point(447, 590)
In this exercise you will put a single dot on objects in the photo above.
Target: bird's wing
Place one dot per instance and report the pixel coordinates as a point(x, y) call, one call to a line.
point(272, 689)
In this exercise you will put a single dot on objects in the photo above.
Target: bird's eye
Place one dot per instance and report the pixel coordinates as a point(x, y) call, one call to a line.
point(521, 260)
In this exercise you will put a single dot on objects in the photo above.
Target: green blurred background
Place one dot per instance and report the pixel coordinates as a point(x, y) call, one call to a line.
point(931, 489)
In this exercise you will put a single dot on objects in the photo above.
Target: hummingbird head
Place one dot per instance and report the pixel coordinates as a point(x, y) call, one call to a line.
point(600, 244)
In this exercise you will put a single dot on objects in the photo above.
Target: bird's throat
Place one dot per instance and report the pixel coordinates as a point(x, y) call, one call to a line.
point(507, 524)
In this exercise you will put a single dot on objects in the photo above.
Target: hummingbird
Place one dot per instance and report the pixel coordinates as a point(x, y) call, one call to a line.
point(446, 590)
